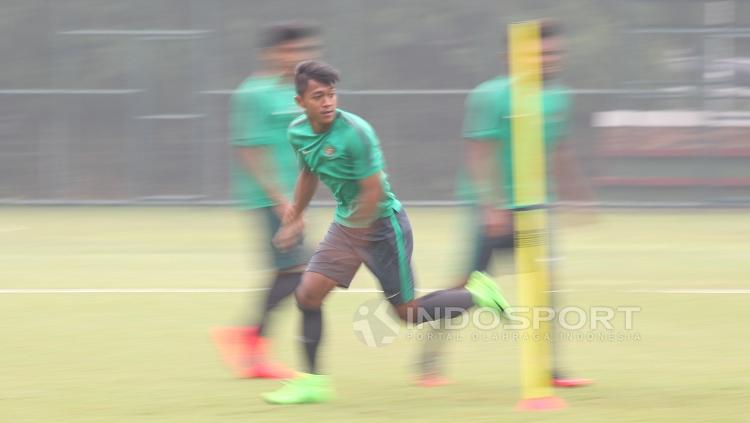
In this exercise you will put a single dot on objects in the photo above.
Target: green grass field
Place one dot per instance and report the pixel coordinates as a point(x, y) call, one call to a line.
point(148, 357)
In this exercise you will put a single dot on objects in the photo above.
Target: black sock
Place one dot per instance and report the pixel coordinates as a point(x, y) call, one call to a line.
point(445, 304)
point(282, 287)
point(489, 245)
point(438, 307)
point(312, 330)
point(504, 242)
point(432, 350)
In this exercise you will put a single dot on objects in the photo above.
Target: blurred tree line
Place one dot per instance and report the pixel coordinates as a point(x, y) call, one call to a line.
point(383, 44)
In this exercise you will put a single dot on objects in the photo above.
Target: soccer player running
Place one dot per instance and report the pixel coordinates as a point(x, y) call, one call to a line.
point(264, 173)
point(488, 179)
point(370, 226)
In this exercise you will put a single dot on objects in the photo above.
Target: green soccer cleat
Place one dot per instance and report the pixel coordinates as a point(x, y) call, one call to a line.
point(304, 389)
point(486, 293)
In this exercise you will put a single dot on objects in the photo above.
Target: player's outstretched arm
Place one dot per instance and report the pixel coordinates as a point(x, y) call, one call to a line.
point(484, 171)
point(257, 161)
point(370, 194)
point(292, 223)
point(571, 185)
point(307, 184)
point(481, 166)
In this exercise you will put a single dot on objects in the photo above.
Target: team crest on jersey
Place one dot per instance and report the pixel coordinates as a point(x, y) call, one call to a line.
point(329, 151)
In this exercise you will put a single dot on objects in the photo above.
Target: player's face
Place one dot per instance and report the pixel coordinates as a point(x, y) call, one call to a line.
point(286, 55)
point(551, 57)
point(319, 102)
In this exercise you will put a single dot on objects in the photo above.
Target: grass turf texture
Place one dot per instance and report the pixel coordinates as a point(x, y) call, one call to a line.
point(148, 357)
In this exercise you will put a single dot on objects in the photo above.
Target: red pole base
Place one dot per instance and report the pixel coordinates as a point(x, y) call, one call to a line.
point(541, 404)
point(572, 383)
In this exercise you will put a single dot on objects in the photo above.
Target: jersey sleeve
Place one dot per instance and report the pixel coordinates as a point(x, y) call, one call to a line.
point(291, 138)
point(567, 101)
point(301, 163)
point(483, 114)
point(367, 159)
point(250, 126)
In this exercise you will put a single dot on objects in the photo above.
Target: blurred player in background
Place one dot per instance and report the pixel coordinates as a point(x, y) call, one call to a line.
point(487, 181)
point(264, 174)
point(370, 226)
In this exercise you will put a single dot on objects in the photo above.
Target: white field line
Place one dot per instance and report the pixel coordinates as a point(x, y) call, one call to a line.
point(161, 290)
point(687, 291)
point(6, 291)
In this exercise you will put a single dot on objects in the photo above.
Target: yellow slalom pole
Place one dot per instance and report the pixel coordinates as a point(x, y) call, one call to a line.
point(530, 217)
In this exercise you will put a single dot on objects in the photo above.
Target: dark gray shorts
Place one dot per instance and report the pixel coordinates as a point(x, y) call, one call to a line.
point(293, 257)
point(485, 245)
point(385, 248)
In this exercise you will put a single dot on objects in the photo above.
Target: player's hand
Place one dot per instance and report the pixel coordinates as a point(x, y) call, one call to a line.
point(496, 222)
point(288, 234)
point(579, 215)
point(283, 210)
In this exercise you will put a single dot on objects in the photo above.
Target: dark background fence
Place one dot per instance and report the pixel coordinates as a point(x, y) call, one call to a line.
point(127, 101)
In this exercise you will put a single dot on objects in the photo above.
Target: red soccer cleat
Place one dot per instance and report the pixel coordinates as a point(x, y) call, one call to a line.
point(432, 381)
point(571, 383)
point(232, 348)
point(244, 352)
point(266, 370)
point(541, 404)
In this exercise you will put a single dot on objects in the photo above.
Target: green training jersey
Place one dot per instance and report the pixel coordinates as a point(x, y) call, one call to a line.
point(342, 156)
point(262, 108)
point(488, 118)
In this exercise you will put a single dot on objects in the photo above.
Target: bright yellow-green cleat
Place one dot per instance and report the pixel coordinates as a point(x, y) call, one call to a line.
point(304, 389)
point(486, 293)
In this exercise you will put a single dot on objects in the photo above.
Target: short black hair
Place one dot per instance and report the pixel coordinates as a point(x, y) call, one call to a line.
point(549, 27)
point(316, 71)
point(282, 32)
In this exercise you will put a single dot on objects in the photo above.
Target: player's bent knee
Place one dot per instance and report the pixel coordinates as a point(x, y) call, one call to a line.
point(312, 290)
point(294, 269)
point(307, 300)
point(407, 312)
